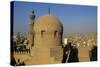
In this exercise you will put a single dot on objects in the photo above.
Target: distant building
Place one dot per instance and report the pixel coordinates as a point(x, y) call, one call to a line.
point(65, 41)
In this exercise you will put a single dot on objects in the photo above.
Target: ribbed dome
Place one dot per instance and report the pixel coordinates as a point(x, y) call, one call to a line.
point(47, 22)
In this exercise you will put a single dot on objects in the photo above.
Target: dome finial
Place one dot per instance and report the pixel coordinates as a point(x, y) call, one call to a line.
point(49, 11)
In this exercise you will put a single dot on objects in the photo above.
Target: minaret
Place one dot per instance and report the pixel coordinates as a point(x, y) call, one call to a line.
point(31, 31)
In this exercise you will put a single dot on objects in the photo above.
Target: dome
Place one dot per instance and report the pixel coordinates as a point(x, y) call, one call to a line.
point(47, 26)
point(47, 22)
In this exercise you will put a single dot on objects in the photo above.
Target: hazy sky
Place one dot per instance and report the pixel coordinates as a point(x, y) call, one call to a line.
point(75, 18)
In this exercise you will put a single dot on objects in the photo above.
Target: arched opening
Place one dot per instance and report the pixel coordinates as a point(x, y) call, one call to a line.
point(42, 33)
point(55, 33)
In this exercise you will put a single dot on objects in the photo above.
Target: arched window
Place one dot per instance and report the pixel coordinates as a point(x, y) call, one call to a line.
point(42, 33)
point(55, 33)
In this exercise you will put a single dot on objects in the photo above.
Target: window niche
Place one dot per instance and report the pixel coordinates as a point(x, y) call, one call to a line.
point(55, 33)
point(42, 33)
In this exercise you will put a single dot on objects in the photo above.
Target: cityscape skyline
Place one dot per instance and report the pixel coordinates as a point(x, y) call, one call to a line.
point(77, 19)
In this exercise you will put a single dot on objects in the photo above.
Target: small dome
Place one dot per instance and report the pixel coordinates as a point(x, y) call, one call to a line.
point(47, 22)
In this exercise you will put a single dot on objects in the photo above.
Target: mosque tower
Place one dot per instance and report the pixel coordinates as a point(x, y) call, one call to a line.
point(48, 31)
point(31, 31)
